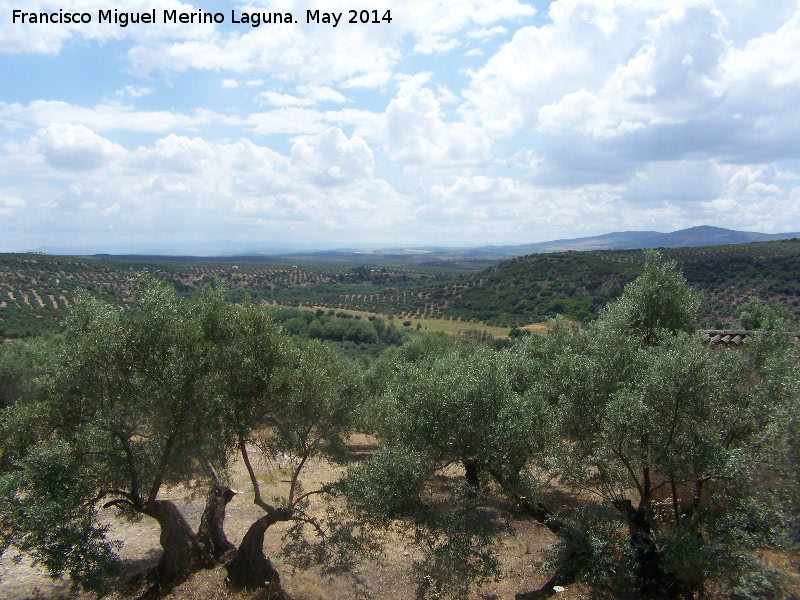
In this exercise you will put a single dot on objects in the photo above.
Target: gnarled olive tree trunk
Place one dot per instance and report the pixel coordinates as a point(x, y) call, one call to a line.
point(183, 553)
point(650, 575)
point(211, 532)
point(249, 567)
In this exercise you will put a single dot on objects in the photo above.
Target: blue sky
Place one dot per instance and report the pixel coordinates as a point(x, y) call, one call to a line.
point(461, 122)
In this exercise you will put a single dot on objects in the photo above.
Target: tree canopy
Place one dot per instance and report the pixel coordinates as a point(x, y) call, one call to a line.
point(127, 402)
point(669, 436)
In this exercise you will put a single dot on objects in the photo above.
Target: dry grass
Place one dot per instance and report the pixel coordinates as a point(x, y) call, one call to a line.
point(445, 325)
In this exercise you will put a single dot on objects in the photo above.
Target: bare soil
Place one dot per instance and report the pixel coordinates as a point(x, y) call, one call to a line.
point(521, 555)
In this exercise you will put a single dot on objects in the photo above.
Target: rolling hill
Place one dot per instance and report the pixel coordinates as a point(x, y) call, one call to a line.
point(36, 290)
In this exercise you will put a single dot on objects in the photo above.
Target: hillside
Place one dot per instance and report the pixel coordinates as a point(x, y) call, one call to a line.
point(703, 235)
point(577, 284)
point(36, 290)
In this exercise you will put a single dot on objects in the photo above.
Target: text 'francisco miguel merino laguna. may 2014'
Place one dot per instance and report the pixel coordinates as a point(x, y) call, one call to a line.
point(199, 17)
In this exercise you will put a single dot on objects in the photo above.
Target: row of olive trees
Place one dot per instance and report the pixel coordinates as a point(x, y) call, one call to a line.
point(670, 439)
point(127, 402)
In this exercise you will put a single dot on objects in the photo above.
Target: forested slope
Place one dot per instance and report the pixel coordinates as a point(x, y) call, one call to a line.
point(576, 284)
point(36, 289)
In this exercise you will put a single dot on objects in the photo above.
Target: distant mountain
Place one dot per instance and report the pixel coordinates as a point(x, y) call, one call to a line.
point(213, 248)
point(703, 235)
point(706, 235)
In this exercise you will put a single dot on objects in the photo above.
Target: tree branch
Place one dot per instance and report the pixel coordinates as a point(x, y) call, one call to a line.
point(130, 462)
point(162, 467)
point(626, 462)
point(313, 523)
point(324, 489)
point(120, 502)
point(253, 480)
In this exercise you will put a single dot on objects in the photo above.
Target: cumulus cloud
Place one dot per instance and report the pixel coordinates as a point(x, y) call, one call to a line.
point(610, 86)
point(9, 204)
point(277, 99)
point(308, 95)
point(435, 24)
point(417, 132)
point(18, 38)
point(321, 94)
point(672, 79)
point(485, 33)
point(583, 41)
point(133, 92)
point(307, 52)
point(192, 185)
point(330, 158)
point(74, 147)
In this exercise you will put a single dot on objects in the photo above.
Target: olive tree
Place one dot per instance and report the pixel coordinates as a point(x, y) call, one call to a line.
point(441, 404)
point(671, 436)
point(116, 417)
point(757, 315)
point(311, 420)
point(127, 402)
point(293, 401)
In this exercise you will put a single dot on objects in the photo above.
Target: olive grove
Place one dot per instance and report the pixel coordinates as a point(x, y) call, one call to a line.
point(680, 462)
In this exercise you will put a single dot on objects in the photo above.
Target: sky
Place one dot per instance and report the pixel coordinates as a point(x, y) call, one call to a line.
point(436, 123)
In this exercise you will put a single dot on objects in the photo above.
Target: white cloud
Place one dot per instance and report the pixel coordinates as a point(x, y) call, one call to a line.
point(608, 115)
point(311, 53)
point(321, 94)
point(435, 23)
point(112, 210)
point(132, 91)
point(9, 204)
point(613, 85)
point(287, 120)
point(103, 117)
point(191, 185)
point(763, 189)
point(659, 85)
point(276, 99)
point(74, 147)
point(50, 38)
point(486, 33)
point(330, 158)
point(418, 134)
point(539, 65)
point(302, 53)
point(310, 95)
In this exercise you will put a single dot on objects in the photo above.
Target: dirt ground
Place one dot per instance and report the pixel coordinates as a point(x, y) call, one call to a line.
point(522, 555)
